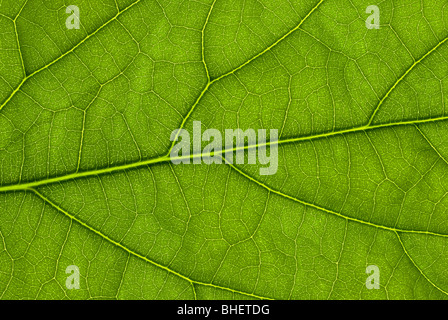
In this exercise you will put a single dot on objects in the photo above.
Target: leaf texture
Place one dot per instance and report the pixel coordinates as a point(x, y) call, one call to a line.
point(86, 179)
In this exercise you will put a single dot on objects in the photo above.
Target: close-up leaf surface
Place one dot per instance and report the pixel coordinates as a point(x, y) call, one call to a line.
point(86, 123)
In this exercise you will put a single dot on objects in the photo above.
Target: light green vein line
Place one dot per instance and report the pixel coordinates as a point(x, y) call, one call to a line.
point(194, 291)
point(209, 83)
point(402, 77)
point(274, 44)
point(166, 158)
point(17, 39)
point(20, 11)
point(188, 116)
point(65, 54)
point(20, 50)
point(6, 17)
point(362, 128)
point(430, 143)
point(203, 40)
point(121, 246)
point(82, 174)
point(284, 195)
point(417, 267)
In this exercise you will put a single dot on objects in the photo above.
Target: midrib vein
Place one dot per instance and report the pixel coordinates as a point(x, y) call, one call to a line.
point(167, 158)
point(136, 254)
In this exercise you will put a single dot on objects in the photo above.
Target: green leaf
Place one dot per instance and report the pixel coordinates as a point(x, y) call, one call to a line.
point(86, 180)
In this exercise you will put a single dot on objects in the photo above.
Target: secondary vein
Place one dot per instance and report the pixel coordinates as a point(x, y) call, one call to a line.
point(136, 254)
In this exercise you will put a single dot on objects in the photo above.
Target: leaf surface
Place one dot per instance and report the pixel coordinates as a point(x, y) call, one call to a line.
point(86, 179)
